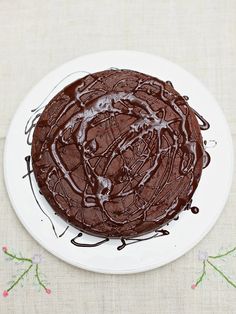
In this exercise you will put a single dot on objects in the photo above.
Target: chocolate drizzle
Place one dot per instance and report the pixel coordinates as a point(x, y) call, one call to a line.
point(29, 128)
point(205, 125)
point(206, 159)
point(158, 139)
point(27, 159)
point(169, 83)
point(210, 143)
point(32, 121)
point(62, 234)
point(41, 105)
point(74, 242)
point(125, 242)
point(195, 210)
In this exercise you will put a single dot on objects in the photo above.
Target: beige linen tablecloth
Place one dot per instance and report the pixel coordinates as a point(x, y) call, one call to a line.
point(36, 37)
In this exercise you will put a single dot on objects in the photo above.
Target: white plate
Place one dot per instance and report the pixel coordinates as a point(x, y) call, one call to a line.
point(185, 233)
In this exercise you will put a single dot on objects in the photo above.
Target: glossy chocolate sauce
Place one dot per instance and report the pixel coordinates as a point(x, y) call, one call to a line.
point(195, 210)
point(118, 153)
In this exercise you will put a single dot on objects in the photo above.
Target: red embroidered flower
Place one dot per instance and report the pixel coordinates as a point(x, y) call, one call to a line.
point(48, 291)
point(4, 248)
point(5, 293)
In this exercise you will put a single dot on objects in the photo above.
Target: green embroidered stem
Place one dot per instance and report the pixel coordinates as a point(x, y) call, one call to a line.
point(35, 260)
point(18, 258)
point(21, 277)
point(203, 273)
point(37, 276)
point(222, 274)
point(225, 254)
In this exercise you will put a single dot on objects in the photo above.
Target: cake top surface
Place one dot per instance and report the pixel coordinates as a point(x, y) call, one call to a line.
point(118, 153)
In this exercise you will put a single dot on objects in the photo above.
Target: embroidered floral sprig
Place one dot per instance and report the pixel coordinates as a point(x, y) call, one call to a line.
point(33, 264)
point(207, 260)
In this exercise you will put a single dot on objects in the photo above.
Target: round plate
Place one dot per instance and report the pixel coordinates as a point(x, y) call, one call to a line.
point(111, 256)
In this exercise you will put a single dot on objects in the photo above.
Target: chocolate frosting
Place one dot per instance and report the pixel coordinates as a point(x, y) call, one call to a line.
point(118, 153)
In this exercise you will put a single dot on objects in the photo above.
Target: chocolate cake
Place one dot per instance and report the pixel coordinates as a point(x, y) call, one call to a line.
point(118, 153)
